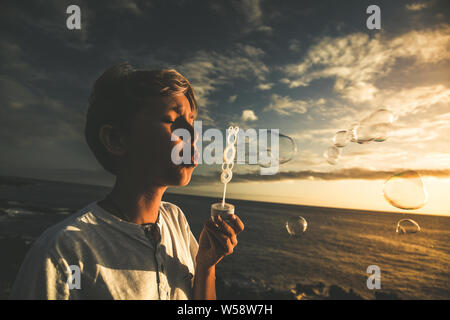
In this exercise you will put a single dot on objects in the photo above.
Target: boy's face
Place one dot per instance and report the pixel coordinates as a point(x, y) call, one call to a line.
point(149, 147)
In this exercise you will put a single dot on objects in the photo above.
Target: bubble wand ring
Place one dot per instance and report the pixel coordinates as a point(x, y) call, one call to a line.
point(228, 164)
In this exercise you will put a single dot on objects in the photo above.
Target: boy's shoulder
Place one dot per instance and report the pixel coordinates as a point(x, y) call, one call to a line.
point(69, 229)
point(171, 208)
point(174, 214)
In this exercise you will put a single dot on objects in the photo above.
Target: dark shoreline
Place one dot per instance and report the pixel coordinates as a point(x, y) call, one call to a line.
point(29, 182)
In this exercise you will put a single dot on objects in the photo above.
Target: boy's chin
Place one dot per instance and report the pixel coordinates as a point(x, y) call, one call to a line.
point(182, 177)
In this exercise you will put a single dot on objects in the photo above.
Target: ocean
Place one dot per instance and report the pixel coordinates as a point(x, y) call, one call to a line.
point(328, 261)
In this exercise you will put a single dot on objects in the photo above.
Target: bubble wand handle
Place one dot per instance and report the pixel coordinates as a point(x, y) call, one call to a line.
point(224, 192)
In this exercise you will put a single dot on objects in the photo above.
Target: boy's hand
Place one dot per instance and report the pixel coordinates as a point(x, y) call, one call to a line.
point(218, 240)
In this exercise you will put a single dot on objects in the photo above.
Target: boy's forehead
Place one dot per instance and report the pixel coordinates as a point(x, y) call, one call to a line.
point(179, 104)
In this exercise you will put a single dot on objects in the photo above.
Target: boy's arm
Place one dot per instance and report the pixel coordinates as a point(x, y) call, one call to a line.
point(205, 283)
point(217, 240)
point(41, 277)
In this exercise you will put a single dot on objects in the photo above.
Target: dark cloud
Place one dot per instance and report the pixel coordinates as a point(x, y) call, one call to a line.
point(343, 174)
point(225, 47)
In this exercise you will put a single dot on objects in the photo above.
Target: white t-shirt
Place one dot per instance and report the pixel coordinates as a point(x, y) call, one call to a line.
point(116, 259)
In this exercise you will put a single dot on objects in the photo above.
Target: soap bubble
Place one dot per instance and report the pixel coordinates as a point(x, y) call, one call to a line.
point(363, 134)
point(332, 155)
point(287, 148)
point(352, 132)
point(381, 131)
point(295, 226)
point(379, 116)
point(405, 226)
point(250, 153)
point(341, 138)
point(405, 190)
point(376, 127)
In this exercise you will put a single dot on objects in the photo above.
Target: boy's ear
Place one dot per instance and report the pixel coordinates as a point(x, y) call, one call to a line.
point(112, 140)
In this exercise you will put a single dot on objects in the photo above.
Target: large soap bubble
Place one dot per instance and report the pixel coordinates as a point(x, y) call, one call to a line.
point(405, 190)
point(405, 226)
point(295, 226)
point(381, 131)
point(379, 116)
point(287, 149)
point(363, 134)
point(250, 153)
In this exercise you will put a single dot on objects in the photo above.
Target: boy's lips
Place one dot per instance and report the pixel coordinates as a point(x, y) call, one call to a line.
point(195, 156)
point(191, 165)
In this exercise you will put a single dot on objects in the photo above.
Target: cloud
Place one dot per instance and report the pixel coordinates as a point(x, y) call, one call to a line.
point(249, 13)
point(322, 135)
point(405, 74)
point(286, 106)
point(209, 70)
point(356, 61)
point(232, 99)
point(248, 115)
point(252, 12)
point(294, 45)
point(265, 86)
point(30, 118)
point(417, 6)
point(133, 7)
point(14, 62)
point(343, 174)
point(414, 100)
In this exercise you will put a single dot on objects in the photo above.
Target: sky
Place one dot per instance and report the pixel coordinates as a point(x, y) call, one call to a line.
point(307, 68)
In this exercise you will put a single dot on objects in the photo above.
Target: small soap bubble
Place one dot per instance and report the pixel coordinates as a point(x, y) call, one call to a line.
point(333, 152)
point(405, 190)
point(379, 116)
point(341, 138)
point(405, 226)
point(352, 132)
point(296, 226)
point(332, 155)
point(376, 127)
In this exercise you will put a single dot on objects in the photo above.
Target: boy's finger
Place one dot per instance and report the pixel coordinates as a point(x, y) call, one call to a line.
point(225, 227)
point(224, 241)
point(237, 224)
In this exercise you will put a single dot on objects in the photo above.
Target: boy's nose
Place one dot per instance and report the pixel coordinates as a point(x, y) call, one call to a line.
point(195, 155)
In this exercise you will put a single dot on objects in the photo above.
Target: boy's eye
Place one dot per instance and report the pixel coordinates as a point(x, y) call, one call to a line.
point(167, 120)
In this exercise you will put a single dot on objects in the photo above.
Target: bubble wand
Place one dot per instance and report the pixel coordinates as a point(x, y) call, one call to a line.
point(225, 210)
